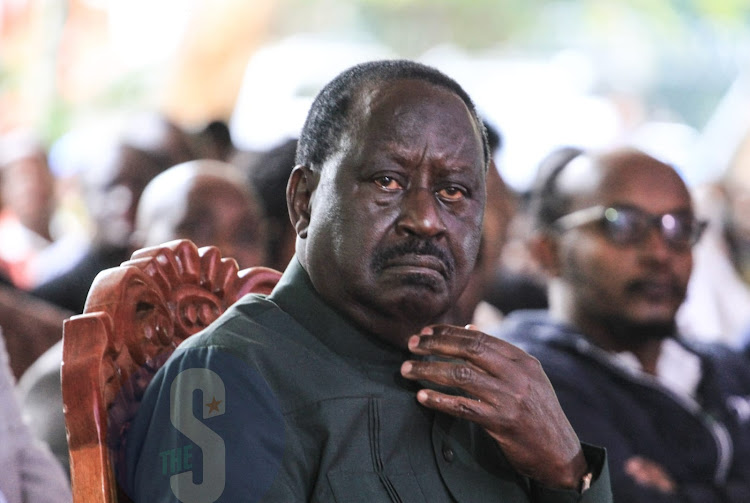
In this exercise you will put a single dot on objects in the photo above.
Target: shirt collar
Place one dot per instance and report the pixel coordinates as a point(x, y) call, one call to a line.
point(677, 368)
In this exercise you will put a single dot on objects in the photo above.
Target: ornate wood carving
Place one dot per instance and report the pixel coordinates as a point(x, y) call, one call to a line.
point(135, 316)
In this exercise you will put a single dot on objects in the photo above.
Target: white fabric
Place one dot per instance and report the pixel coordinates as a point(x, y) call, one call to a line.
point(34, 259)
point(677, 369)
point(717, 307)
point(486, 316)
point(28, 471)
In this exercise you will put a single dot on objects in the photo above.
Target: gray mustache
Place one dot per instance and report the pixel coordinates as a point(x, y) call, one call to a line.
point(413, 247)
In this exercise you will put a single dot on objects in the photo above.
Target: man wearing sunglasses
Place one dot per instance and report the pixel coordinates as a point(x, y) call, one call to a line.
point(614, 232)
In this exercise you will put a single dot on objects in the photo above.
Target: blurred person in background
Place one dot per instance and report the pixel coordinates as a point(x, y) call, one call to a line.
point(717, 307)
point(519, 283)
point(615, 231)
point(28, 471)
point(213, 141)
point(269, 173)
point(117, 171)
point(32, 252)
point(208, 202)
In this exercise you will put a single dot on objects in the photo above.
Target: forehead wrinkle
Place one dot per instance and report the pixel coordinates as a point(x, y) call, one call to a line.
point(366, 106)
point(401, 153)
point(423, 154)
point(459, 147)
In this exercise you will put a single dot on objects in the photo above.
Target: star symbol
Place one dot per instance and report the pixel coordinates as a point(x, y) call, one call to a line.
point(213, 406)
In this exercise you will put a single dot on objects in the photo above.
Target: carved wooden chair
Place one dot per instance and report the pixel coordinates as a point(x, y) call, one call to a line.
point(135, 316)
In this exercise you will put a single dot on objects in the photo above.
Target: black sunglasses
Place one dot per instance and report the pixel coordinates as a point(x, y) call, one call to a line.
point(628, 225)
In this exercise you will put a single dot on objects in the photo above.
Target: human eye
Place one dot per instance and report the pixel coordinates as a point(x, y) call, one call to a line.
point(679, 226)
point(388, 182)
point(452, 193)
point(625, 225)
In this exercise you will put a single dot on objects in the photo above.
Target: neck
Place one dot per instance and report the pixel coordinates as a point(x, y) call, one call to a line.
point(392, 329)
point(611, 334)
point(645, 349)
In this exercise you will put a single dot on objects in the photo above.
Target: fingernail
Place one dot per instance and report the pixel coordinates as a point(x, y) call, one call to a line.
point(422, 396)
point(413, 342)
point(406, 368)
point(427, 331)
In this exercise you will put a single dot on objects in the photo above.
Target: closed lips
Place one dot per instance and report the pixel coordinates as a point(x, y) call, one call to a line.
point(419, 262)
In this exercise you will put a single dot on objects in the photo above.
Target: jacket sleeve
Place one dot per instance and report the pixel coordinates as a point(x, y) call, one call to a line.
point(599, 492)
point(208, 427)
point(590, 424)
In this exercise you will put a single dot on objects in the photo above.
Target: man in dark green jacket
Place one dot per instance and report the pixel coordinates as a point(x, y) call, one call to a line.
point(344, 384)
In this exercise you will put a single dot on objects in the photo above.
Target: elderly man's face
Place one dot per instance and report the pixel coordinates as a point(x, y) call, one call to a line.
point(396, 216)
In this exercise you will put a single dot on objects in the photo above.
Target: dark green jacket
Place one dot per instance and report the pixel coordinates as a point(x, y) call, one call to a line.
point(299, 405)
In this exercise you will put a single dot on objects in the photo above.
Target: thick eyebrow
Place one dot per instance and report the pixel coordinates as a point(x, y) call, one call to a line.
point(448, 167)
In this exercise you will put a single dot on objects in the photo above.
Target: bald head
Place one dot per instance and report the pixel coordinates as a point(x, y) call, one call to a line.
point(208, 202)
point(583, 178)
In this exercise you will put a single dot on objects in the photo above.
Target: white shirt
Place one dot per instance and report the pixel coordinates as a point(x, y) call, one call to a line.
point(677, 369)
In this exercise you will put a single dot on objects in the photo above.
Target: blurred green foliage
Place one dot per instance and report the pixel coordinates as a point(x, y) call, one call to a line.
point(413, 25)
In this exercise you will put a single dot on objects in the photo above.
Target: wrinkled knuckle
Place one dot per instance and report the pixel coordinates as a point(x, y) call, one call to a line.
point(428, 342)
point(531, 363)
point(478, 345)
point(462, 374)
point(466, 409)
point(516, 414)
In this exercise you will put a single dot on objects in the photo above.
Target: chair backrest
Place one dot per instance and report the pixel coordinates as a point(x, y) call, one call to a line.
point(135, 316)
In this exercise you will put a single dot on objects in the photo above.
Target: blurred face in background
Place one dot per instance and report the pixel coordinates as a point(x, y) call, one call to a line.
point(224, 215)
point(209, 203)
point(28, 191)
point(113, 186)
point(639, 283)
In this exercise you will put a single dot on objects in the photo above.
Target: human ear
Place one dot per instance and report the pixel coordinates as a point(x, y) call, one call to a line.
point(298, 196)
point(544, 250)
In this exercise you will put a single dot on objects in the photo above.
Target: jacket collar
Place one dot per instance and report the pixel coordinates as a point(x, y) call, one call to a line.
point(296, 295)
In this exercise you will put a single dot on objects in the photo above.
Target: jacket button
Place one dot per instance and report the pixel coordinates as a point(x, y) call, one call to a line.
point(447, 454)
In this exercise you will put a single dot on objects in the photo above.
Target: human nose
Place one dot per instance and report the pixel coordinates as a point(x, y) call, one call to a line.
point(419, 214)
point(655, 246)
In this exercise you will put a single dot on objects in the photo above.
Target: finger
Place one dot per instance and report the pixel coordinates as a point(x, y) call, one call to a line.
point(484, 351)
point(649, 473)
point(476, 411)
point(463, 376)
